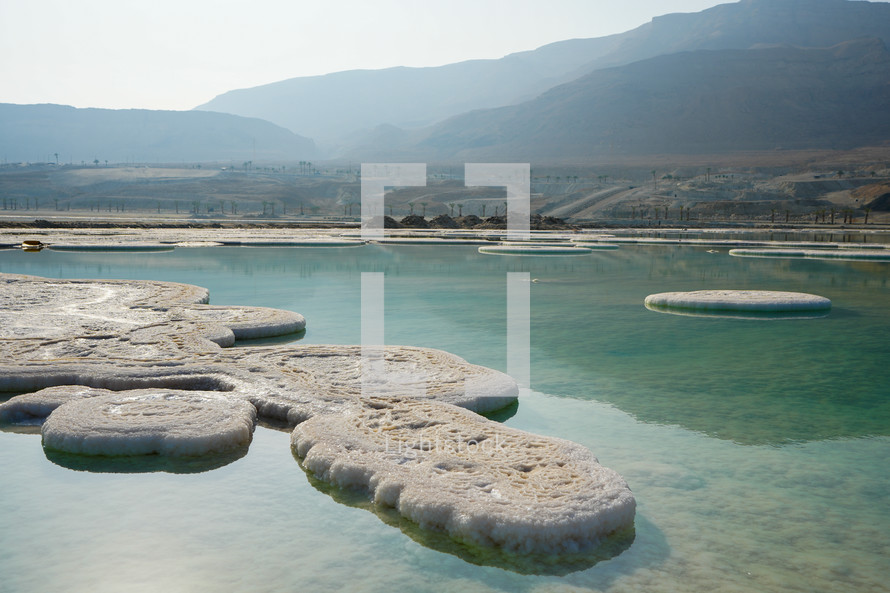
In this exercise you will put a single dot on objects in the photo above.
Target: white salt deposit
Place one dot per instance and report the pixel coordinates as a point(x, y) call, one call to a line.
point(35, 407)
point(111, 246)
point(434, 241)
point(152, 421)
point(449, 469)
point(596, 246)
point(306, 243)
point(521, 249)
point(739, 300)
point(175, 392)
point(248, 323)
point(871, 254)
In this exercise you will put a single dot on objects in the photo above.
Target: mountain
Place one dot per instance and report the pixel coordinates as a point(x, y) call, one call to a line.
point(687, 103)
point(750, 23)
point(335, 107)
point(37, 132)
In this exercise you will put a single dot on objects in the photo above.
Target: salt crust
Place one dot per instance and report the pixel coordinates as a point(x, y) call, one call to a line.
point(449, 469)
point(150, 421)
point(156, 346)
point(871, 254)
point(739, 300)
point(25, 409)
point(521, 249)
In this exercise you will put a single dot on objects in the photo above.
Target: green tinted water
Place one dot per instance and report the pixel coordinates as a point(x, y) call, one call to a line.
point(756, 448)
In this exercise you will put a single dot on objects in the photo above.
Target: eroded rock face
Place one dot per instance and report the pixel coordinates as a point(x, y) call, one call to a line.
point(136, 368)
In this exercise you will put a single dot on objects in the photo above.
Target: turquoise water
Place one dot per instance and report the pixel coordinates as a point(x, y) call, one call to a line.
point(756, 448)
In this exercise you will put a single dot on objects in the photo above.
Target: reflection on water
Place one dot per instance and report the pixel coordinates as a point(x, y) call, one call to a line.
point(138, 464)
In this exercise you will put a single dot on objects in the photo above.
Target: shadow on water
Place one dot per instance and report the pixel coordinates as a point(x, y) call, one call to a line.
point(502, 414)
point(525, 564)
point(272, 341)
point(141, 464)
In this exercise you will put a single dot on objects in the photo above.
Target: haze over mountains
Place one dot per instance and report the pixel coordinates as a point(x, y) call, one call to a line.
point(688, 103)
point(36, 133)
point(346, 109)
point(753, 75)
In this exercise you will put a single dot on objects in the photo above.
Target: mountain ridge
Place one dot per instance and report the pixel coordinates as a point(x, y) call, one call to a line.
point(32, 132)
point(339, 107)
point(688, 103)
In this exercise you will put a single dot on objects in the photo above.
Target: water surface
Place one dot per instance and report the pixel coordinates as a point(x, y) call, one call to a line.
point(755, 447)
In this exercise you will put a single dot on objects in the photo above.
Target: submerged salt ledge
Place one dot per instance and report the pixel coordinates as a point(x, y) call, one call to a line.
point(136, 368)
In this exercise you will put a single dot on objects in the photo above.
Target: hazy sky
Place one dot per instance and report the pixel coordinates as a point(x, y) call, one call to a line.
point(165, 54)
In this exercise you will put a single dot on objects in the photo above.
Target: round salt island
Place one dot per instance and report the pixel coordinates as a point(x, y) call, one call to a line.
point(150, 421)
point(521, 249)
point(126, 247)
point(739, 303)
point(873, 253)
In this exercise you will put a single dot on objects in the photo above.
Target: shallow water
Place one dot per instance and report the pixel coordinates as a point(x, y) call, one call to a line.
point(755, 447)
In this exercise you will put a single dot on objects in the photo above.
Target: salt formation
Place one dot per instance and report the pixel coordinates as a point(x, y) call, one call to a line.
point(449, 469)
point(150, 421)
point(520, 249)
point(872, 254)
point(35, 407)
point(739, 300)
point(121, 368)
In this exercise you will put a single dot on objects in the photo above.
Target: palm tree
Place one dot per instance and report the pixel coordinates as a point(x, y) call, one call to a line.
point(483, 210)
point(460, 210)
point(423, 205)
point(451, 205)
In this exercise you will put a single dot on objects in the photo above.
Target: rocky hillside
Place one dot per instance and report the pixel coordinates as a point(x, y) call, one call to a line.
point(333, 108)
point(690, 103)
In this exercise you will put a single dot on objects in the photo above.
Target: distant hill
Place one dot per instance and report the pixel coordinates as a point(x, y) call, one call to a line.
point(335, 107)
point(34, 133)
point(688, 103)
